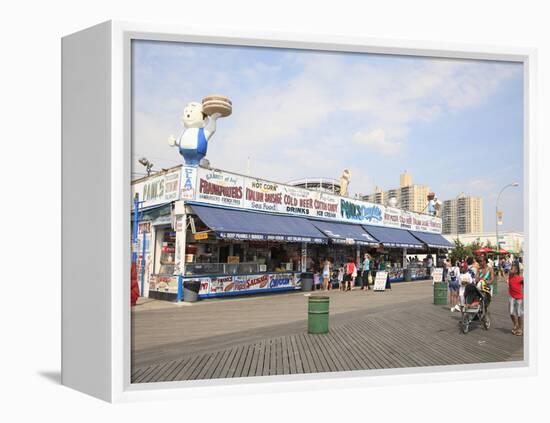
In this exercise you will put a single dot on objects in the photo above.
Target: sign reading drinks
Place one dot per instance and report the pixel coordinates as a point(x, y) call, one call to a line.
point(231, 190)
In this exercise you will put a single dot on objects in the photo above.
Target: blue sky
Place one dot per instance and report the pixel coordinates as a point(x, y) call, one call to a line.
point(455, 125)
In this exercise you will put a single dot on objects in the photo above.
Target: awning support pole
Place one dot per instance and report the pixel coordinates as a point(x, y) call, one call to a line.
point(304, 257)
point(180, 289)
point(144, 240)
point(181, 234)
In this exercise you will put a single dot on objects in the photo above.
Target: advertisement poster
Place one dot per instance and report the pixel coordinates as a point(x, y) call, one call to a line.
point(380, 281)
point(437, 274)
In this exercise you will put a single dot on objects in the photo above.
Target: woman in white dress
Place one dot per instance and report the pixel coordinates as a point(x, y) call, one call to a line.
point(326, 274)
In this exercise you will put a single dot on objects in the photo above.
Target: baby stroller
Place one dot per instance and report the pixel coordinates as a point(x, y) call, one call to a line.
point(476, 301)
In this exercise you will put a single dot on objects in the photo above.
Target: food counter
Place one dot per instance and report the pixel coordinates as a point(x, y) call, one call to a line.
point(217, 285)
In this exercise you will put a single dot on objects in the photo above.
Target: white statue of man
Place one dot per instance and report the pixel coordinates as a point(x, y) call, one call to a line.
point(198, 130)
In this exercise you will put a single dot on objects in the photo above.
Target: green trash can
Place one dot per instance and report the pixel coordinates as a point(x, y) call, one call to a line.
point(317, 319)
point(440, 293)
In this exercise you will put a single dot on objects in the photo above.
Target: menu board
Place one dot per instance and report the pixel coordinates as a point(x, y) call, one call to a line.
point(380, 281)
point(437, 274)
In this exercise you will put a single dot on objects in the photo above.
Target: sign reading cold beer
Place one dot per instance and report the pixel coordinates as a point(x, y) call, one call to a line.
point(272, 197)
point(232, 190)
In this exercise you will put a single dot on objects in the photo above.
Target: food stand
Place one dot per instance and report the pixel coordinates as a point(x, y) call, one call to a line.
point(240, 235)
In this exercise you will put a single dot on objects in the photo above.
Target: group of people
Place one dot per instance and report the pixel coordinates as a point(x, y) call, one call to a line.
point(350, 274)
point(482, 273)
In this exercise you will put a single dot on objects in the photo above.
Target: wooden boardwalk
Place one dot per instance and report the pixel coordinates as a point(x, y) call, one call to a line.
point(409, 334)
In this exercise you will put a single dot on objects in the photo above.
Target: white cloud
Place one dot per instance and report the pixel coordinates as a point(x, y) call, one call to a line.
point(299, 117)
point(378, 139)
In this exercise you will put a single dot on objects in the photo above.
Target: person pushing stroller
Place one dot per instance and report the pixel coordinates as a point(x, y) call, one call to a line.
point(476, 300)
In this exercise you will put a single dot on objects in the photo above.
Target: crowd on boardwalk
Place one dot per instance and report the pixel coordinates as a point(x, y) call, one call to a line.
point(350, 274)
point(484, 273)
point(480, 271)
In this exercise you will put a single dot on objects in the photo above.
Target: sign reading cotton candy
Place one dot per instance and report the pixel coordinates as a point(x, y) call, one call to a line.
point(199, 122)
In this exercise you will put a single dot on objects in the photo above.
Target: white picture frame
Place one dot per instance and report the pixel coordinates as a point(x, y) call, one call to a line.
point(96, 158)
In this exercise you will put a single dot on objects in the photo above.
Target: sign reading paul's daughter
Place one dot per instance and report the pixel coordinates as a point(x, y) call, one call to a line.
point(199, 121)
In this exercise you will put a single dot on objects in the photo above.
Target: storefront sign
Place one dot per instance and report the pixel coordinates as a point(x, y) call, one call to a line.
point(361, 212)
point(158, 189)
point(216, 187)
point(232, 190)
point(201, 235)
point(188, 182)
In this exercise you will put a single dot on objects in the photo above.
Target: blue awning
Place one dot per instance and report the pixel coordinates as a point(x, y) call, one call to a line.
point(432, 240)
point(343, 233)
point(393, 237)
point(237, 224)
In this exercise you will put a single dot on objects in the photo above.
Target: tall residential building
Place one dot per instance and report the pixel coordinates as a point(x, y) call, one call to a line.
point(409, 196)
point(462, 215)
point(405, 180)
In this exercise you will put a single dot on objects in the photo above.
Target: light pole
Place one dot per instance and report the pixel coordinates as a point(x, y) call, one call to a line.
point(148, 165)
point(514, 184)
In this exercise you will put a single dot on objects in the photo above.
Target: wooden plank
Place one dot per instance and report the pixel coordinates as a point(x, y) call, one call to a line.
point(267, 358)
point(235, 361)
point(307, 358)
point(225, 369)
point(325, 358)
point(340, 352)
point(209, 364)
point(221, 363)
point(176, 375)
point(289, 356)
point(150, 373)
point(194, 372)
point(409, 334)
point(296, 355)
point(358, 358)
point(163, 374)
point(259, 360)
point(273, 358)
point(366, 346)
point(245, 356)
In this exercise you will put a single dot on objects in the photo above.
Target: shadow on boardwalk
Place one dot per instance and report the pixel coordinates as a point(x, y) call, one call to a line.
point(408, 334)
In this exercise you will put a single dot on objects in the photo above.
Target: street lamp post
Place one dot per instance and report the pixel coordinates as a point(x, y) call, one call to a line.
point(514, 184)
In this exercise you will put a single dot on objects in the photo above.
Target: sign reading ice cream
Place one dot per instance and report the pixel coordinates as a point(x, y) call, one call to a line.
point(238, 191)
